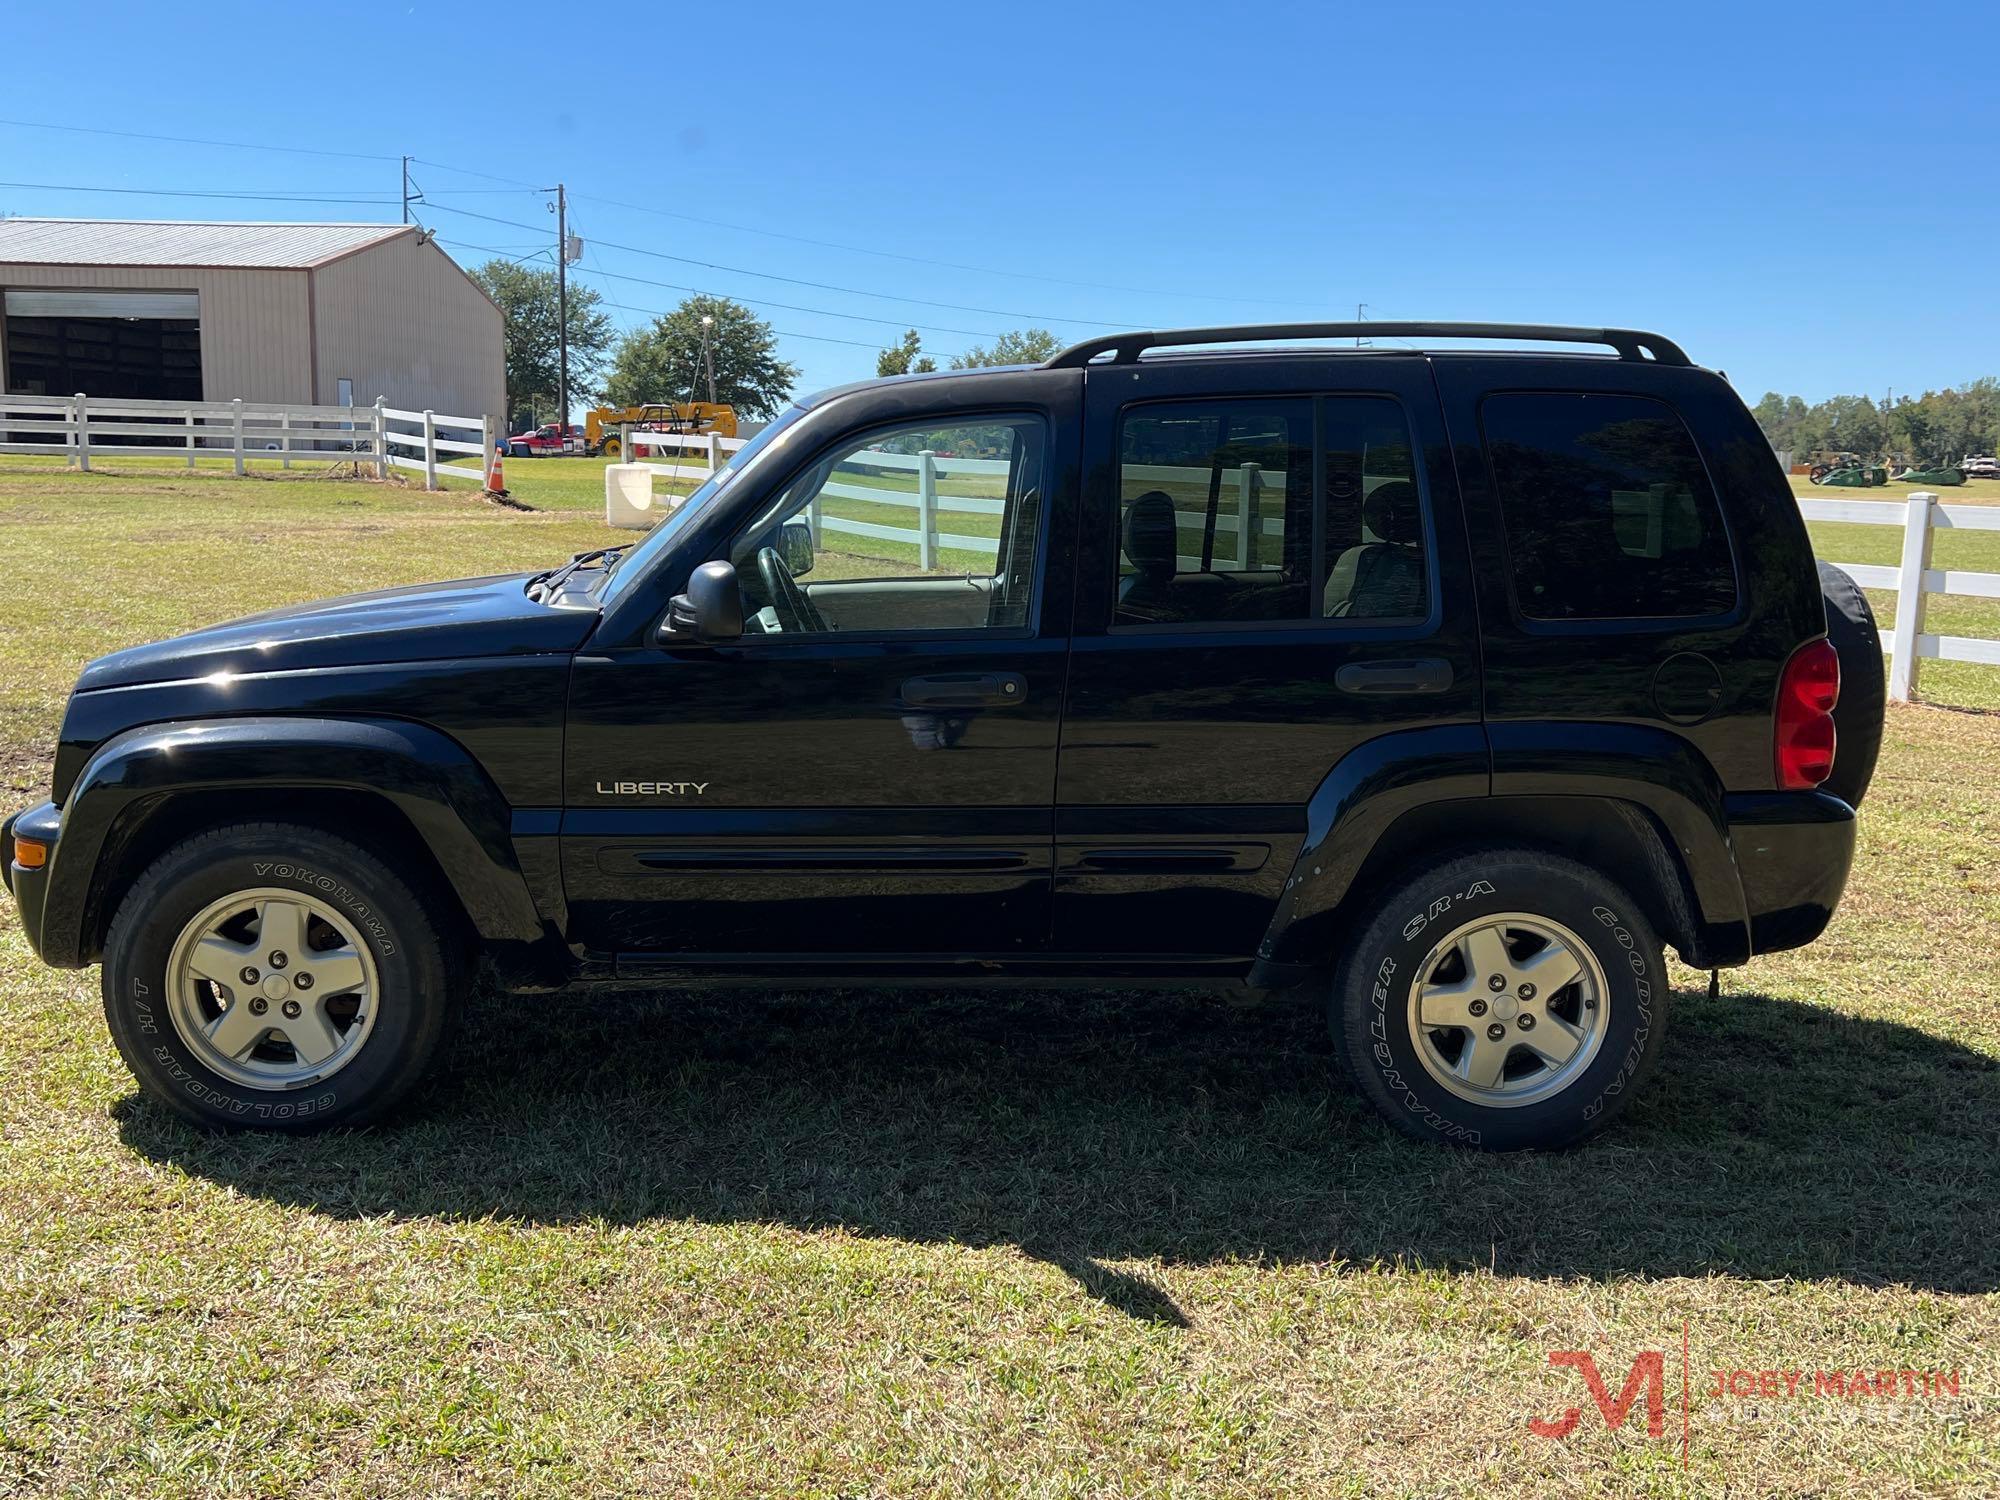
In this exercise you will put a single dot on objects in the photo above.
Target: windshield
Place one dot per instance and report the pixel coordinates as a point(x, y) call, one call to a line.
point(654, 544)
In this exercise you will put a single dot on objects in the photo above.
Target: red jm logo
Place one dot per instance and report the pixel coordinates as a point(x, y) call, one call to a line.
point(1648, 1370)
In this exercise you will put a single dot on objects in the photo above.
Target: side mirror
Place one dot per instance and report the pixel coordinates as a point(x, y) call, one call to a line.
point(795, 546)
point(710, 612)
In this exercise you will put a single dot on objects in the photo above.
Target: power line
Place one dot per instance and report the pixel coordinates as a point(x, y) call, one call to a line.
point(515, 183)
point(820, 338)
point(671, 286)
point(822, 286)
point(925, 260)
point(512, 182)
point(351, 200)
point(825, 312)
point(188, 140)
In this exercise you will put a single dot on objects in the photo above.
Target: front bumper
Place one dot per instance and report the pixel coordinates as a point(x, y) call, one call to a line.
point(1793, 851)
point(30, 888)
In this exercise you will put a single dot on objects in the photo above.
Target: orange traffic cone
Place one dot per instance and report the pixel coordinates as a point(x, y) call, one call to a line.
point(496, 476)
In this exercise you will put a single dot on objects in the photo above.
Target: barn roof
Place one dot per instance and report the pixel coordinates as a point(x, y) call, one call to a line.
point(165, 242)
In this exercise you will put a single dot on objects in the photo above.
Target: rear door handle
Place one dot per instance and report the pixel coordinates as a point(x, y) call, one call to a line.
point(965, 690)
point(1429, 674)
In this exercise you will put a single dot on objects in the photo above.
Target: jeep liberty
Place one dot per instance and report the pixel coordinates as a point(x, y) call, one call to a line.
point(1444, 685)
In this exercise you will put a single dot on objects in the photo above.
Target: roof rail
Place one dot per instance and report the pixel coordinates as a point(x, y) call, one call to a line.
point(1125, 348)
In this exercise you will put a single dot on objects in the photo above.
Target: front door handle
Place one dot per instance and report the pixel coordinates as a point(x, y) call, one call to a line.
point(1429, 674)
point(965, 690)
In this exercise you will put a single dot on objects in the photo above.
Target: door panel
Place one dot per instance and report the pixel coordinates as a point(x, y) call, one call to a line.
point(867, 789)
point(833, 816)
point(1190, 746)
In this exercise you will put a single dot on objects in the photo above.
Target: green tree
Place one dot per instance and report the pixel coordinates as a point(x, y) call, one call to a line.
point(1024, 346)
point(905, 358)
point(529, 302)
point(664, 360)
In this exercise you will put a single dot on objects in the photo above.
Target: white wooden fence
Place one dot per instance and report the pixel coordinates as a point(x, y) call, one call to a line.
point(428, 444)
point(712, 446)
point(1915, 580)
point(81, 427)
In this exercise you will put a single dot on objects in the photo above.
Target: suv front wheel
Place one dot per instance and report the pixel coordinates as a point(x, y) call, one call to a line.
point(1505, 999)
point(276, 976)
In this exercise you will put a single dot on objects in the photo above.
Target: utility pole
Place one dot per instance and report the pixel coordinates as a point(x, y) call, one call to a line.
point(406, 190)
point(708, 353)
point(1360, 316)
point(562, 306)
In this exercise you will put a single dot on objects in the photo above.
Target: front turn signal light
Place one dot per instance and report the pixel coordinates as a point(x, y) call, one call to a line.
point(30, 854)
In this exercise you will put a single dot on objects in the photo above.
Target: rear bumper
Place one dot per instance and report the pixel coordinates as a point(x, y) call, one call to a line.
point(30, 888)
point(1793, 851)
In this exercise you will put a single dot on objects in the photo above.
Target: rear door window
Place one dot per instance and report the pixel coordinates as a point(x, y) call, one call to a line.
point(1223, 515)
point(1606, 507)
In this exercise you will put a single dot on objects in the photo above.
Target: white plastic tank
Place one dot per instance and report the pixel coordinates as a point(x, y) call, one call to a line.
point(628, 497)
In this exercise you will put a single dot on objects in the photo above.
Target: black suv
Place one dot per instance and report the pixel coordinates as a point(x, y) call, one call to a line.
point(1446, 684)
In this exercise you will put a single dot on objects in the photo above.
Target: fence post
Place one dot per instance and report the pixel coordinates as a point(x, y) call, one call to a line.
point(191, 443)
point(927, 510)
point(236, 431)
point(625, 444)
point(485, 447)
point(1910, 598)
point(1246, 515)
point(430, 449)
point(381, 438)
point(813, 522)
point(285, 437)
point(80, 415)
point(714, 452)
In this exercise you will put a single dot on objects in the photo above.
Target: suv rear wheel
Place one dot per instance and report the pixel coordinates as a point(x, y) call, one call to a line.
point(274, 975)
point(1505, 999)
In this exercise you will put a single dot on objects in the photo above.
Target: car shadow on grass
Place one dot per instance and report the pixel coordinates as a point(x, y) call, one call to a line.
point(1776, 1140)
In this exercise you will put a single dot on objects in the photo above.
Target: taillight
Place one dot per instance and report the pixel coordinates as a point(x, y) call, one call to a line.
point(1803, 725)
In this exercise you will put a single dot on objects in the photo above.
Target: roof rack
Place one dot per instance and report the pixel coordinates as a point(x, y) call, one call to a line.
point(1125, 348)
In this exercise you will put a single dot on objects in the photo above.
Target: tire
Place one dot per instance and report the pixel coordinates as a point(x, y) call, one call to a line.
point(608, 449)
point(238, 885)
point(1618, 1004)
point(1864, 687)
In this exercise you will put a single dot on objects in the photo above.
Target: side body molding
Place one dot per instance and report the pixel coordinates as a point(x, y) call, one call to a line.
point(447, 798)
point(1373, 785)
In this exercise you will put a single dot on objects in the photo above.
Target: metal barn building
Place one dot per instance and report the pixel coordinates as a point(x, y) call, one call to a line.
point(326, 314)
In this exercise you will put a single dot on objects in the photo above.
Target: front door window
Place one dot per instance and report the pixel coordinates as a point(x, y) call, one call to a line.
point(916, 528)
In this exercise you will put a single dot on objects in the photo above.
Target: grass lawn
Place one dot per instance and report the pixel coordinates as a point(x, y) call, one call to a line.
point(908, 1244)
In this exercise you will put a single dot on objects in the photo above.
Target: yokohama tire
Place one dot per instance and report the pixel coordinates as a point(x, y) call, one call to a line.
point(415, 982)
point(1857, 717)
point(1372, 1008)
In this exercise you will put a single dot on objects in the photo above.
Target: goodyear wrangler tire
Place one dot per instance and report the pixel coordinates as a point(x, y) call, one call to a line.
point(1506, 999)
point(275, 976)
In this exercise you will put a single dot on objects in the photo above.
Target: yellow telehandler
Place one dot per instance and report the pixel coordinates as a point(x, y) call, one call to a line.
point(600, 427)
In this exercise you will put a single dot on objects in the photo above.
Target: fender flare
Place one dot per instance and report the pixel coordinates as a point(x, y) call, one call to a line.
point(1653, 769)
point(1626, 767)
point(426, 776)
point(1372, 785)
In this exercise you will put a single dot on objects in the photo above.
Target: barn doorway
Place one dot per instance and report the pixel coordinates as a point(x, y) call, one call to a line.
point(136, 345)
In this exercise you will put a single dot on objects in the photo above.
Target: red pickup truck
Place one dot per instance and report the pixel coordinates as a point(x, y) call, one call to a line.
point(551, 439)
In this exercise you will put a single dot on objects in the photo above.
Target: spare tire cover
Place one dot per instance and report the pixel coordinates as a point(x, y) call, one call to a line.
point(1857, 717)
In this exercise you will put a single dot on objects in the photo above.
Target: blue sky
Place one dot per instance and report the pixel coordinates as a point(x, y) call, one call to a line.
point(1806, 196)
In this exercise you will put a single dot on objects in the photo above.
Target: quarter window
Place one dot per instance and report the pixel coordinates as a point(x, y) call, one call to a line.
point(1607, 510)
